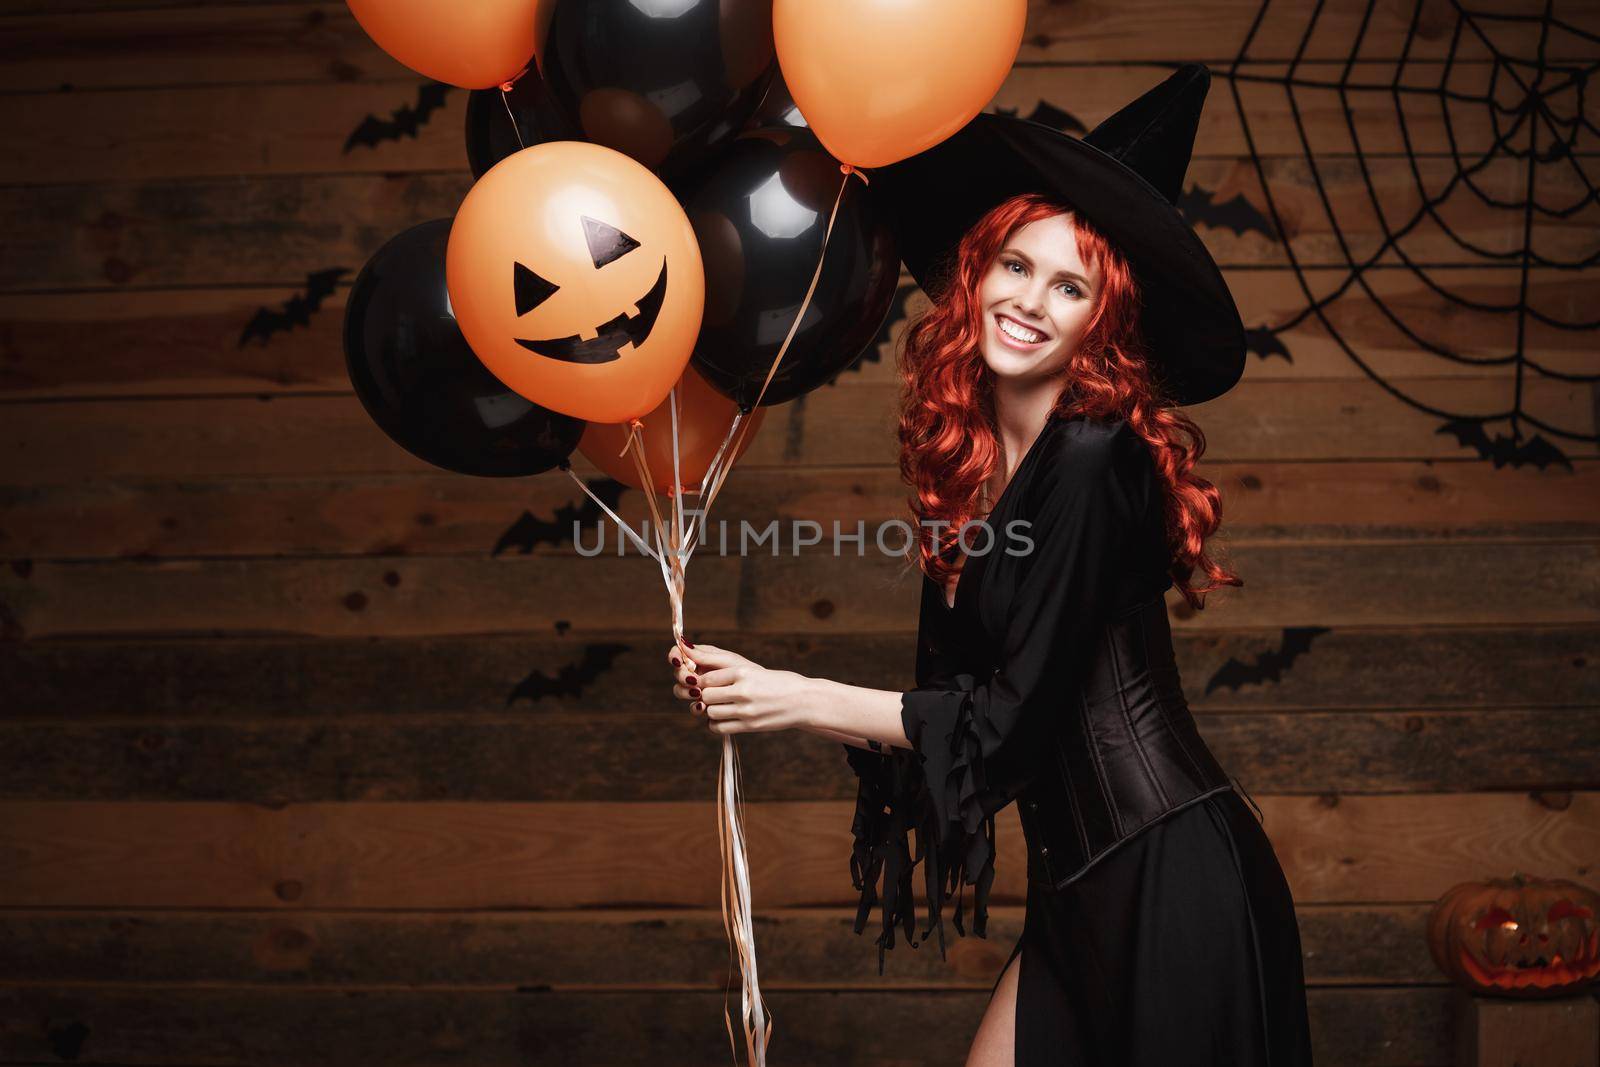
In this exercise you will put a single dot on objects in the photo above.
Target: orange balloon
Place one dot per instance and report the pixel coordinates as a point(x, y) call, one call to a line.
point(880, 80)
point(576, 279)
point(704, 416)
point(474, 45)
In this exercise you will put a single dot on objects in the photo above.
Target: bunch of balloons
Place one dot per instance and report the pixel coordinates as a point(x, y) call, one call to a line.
point(651, 201)
point(658, 242)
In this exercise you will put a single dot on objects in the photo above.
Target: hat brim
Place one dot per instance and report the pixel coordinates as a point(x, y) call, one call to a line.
point(1191, 325)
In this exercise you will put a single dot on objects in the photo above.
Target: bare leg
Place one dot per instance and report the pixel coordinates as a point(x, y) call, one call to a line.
point(995, 1044)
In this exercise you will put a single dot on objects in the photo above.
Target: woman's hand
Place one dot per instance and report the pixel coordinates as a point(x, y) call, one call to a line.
point(688, 687)
point(737, 695)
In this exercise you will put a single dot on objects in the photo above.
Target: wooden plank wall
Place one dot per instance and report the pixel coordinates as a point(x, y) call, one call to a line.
point(314, 755)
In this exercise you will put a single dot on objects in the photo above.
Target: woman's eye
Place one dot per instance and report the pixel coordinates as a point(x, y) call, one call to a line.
point(1069, 289)
point(1013, 263)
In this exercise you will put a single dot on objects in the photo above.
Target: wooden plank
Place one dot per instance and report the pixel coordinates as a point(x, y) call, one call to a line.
point(186, 341)
point(1216, 31)
point(406, 594)
point(1360, 584)
point(655, 751)
point(1337, 212)
point(1366, 117)
point(455, 854)
point(1370, 670)
point(213, 131)
point(273, 229)
point(611, 948)
point(304, 127)
point(114, 44)
point(332, 436)
point(533, 1026)
point(1396, 323)
point(446, 514)
point(88, 43)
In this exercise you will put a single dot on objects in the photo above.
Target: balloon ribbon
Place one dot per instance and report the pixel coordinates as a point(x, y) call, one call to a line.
point(674, 555)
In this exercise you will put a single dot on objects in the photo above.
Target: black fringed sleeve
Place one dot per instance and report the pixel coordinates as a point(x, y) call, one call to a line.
point(973, 736)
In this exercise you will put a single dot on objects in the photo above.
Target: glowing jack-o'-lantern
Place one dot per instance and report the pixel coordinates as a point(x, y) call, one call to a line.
point(576, 279)
point(1517, 936)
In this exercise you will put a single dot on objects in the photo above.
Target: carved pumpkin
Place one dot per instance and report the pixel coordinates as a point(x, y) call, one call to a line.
point(1517, 936)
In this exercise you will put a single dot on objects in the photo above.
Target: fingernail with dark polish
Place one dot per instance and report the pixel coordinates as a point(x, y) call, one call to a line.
point(675, 661)
point(693, 680)
point(688, 642)
point(694, 691)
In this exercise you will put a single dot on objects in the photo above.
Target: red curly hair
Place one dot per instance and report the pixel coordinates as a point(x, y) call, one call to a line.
point(949, 445)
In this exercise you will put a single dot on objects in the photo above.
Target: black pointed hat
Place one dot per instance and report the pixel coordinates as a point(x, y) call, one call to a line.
point(1124, 176)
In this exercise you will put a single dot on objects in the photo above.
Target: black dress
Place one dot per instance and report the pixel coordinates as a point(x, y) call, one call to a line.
point(1165, 936)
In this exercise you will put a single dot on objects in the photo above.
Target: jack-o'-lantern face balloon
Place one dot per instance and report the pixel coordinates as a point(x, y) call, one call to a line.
point(577, 280)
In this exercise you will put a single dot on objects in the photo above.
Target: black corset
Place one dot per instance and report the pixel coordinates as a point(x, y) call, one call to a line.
point(1125, 754)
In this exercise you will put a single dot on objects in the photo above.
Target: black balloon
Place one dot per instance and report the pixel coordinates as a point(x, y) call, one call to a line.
point(491, 136)
point(420, 382)
point(759, 215)
point(777, 107)
point(663, 81)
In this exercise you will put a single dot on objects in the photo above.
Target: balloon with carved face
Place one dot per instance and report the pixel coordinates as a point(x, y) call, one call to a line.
point(576, 278)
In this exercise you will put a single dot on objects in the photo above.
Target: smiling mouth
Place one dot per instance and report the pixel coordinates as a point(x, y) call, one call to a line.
point(607, 344)
point(1033, 337)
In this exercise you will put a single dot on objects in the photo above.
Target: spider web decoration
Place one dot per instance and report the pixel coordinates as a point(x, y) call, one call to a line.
point(1455, 66)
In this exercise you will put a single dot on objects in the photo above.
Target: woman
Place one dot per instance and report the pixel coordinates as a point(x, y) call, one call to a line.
point(1072, 308)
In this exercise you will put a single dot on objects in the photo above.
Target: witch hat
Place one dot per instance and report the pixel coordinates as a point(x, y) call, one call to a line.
point(1125, 177)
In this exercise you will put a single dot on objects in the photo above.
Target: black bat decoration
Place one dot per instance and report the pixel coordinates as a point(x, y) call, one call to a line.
point(1270, 665)
point(296, 311)
point(403, 121)
point(1047, 114)
point(571, 679)
point(529, 531)
point(1264, 342)
point(1199, 206)
point(1557, 150)
point(1501, 450)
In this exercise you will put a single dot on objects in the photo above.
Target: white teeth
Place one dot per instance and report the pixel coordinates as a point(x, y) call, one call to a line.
point(1026, 336)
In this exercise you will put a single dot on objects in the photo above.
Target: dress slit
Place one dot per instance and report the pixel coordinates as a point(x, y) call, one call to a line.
point(1143, 962)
